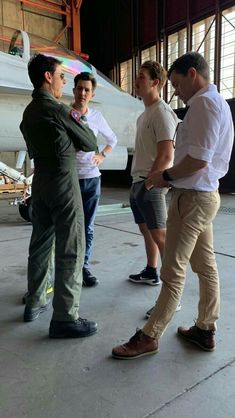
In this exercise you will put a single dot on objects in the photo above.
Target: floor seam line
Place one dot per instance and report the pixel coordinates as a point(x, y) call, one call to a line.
point(190, 389)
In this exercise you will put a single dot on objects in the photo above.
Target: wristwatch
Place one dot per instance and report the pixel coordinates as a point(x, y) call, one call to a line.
point(166, 176)
point(103, 153)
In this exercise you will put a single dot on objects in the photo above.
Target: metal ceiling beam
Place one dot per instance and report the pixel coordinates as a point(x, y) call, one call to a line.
point(76, 28)
point(71, 10)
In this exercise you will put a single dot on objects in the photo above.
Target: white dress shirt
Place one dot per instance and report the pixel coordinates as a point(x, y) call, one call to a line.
point(207, 134)
point(85, 167)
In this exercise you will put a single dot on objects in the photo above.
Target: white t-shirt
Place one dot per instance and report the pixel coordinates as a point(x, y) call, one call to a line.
point(157, 123)
point(85, 167)
point(207, 134)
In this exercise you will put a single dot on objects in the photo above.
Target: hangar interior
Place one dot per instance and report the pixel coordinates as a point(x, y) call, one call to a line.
point(128, 32)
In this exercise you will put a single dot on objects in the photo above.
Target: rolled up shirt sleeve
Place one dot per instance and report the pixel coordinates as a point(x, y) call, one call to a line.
point(104, 129)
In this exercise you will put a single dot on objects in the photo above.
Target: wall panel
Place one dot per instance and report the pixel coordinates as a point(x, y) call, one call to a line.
point(11, 13)
point(227, 3)
point(99, 33)
point(175, 12)
point(43, 26)
point(37, 21)
point(148, 22)
point(201, 7)
point(124, 29)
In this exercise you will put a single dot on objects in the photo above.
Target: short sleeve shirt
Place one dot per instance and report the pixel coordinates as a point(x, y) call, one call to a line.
point(157, 123)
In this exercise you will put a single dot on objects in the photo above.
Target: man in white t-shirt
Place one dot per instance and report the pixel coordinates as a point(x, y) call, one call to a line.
point(88, 163)
point(203, 149)
point(154, 149)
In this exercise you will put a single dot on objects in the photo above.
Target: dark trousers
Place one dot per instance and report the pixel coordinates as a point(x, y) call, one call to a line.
point(90, 191)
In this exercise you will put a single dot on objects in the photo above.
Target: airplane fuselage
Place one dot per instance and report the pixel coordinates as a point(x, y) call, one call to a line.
point(119, 108)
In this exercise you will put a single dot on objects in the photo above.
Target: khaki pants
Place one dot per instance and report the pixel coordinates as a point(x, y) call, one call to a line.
point(189, 238)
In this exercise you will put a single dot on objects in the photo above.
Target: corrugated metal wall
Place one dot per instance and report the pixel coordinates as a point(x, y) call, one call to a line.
point(32, 19)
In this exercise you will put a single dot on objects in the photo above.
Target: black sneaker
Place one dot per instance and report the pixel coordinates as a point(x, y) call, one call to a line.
point(72, 329)
point(88, 278)
point(149, 312)
point(30, 314)
point(145, 278)
point(204, 339)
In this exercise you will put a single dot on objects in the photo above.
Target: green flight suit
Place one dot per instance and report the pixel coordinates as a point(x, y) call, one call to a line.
point(52, 134)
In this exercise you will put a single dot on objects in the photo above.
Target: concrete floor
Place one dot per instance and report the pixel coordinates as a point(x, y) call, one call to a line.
point(43, 378)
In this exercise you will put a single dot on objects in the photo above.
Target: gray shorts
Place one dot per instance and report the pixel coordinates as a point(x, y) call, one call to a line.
point(148, 206)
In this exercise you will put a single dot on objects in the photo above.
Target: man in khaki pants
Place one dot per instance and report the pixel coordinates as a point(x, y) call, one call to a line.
point(203, 148)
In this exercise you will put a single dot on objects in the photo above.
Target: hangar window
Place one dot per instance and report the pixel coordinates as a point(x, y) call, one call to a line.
point(161, 46)
point(203, 41)
point(176, 46)
point(227, 72)
point(126, 76)
point(148, 54)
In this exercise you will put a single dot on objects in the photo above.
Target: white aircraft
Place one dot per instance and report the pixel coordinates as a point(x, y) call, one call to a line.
point(119, 108)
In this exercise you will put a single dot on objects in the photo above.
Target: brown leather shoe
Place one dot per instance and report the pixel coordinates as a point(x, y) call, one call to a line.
point(138, 346)
point(204, 339)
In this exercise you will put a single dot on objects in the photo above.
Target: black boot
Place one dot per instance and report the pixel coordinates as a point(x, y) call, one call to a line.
point(72, 329)
point(88, 278)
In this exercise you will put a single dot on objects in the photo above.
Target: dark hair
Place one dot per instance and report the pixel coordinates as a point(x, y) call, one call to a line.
point(191, 59)
point(37, 67)
point(86, 77)
point(156, 72)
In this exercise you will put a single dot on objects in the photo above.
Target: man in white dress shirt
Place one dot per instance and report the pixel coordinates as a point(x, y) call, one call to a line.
point(88, 163)
point(203, 148)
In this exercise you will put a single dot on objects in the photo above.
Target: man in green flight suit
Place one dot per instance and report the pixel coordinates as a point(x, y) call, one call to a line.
point(53, 133)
